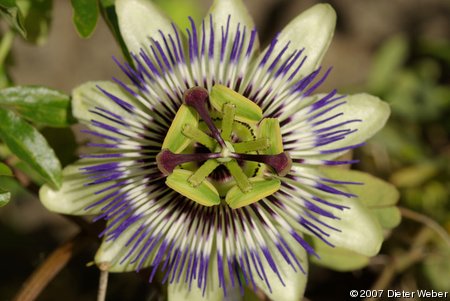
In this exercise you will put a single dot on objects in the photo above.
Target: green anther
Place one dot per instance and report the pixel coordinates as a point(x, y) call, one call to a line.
point(239, 176)
point(205, 193)
point(199, 136)
point(246, 110)
point(229, 111)
point(200, 174)
point(236, 198)
point(270, 128)
point(174, 141)
point(259, 144)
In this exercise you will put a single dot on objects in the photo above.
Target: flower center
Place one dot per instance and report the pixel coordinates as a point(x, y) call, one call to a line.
point(253, 161)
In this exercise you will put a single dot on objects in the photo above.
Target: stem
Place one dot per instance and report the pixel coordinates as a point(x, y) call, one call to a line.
point(421, 218)
point(5, 45)
point(403, 261)
point(103, 282)
point(54, 263)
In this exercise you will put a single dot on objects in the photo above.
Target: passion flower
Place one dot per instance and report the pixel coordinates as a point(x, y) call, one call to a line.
point(207, 167)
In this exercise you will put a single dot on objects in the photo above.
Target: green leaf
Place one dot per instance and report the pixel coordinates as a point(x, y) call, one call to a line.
point(5, 197)
point(38, 16)
point(85, 16)
point(5, 171)
point(437, 264)
point(377, 195)
point(38, 104)
point(11, 12)
point(388, 62)
point(414, 176)
point(30, 146)
point(337, 258)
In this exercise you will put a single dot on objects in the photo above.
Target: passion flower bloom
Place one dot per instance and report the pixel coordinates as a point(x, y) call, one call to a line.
point(210, 168)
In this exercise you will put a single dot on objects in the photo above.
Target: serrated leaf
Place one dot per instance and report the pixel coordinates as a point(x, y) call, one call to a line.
point(5, 171)
point(85, 16)
point(5, 197)
point(30, 146)
point(377, 195)
point(38, 104)
point(11, 12)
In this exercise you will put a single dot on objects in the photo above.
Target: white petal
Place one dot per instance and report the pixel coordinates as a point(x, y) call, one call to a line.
point(228, 16)
point(370, 111)
point(360, 231)
point(312, 30)
point(294, 281)
point(138, 21)
point(111, 252)
point(73, 197)
point(222, 9)
point(355, 227)
point(180, 290)
point(88, 96)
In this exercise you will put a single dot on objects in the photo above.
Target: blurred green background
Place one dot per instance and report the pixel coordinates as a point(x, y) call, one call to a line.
point(396, 49)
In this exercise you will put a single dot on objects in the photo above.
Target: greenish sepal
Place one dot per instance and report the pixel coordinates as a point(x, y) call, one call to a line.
point(261, 188)
point(377, 195)
point(74, 197)
point(270, 128)
point(388, 218)
point(238, 174)
point(337, 258)
point(174, 141)
point(246, 110)
point(205, 193)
